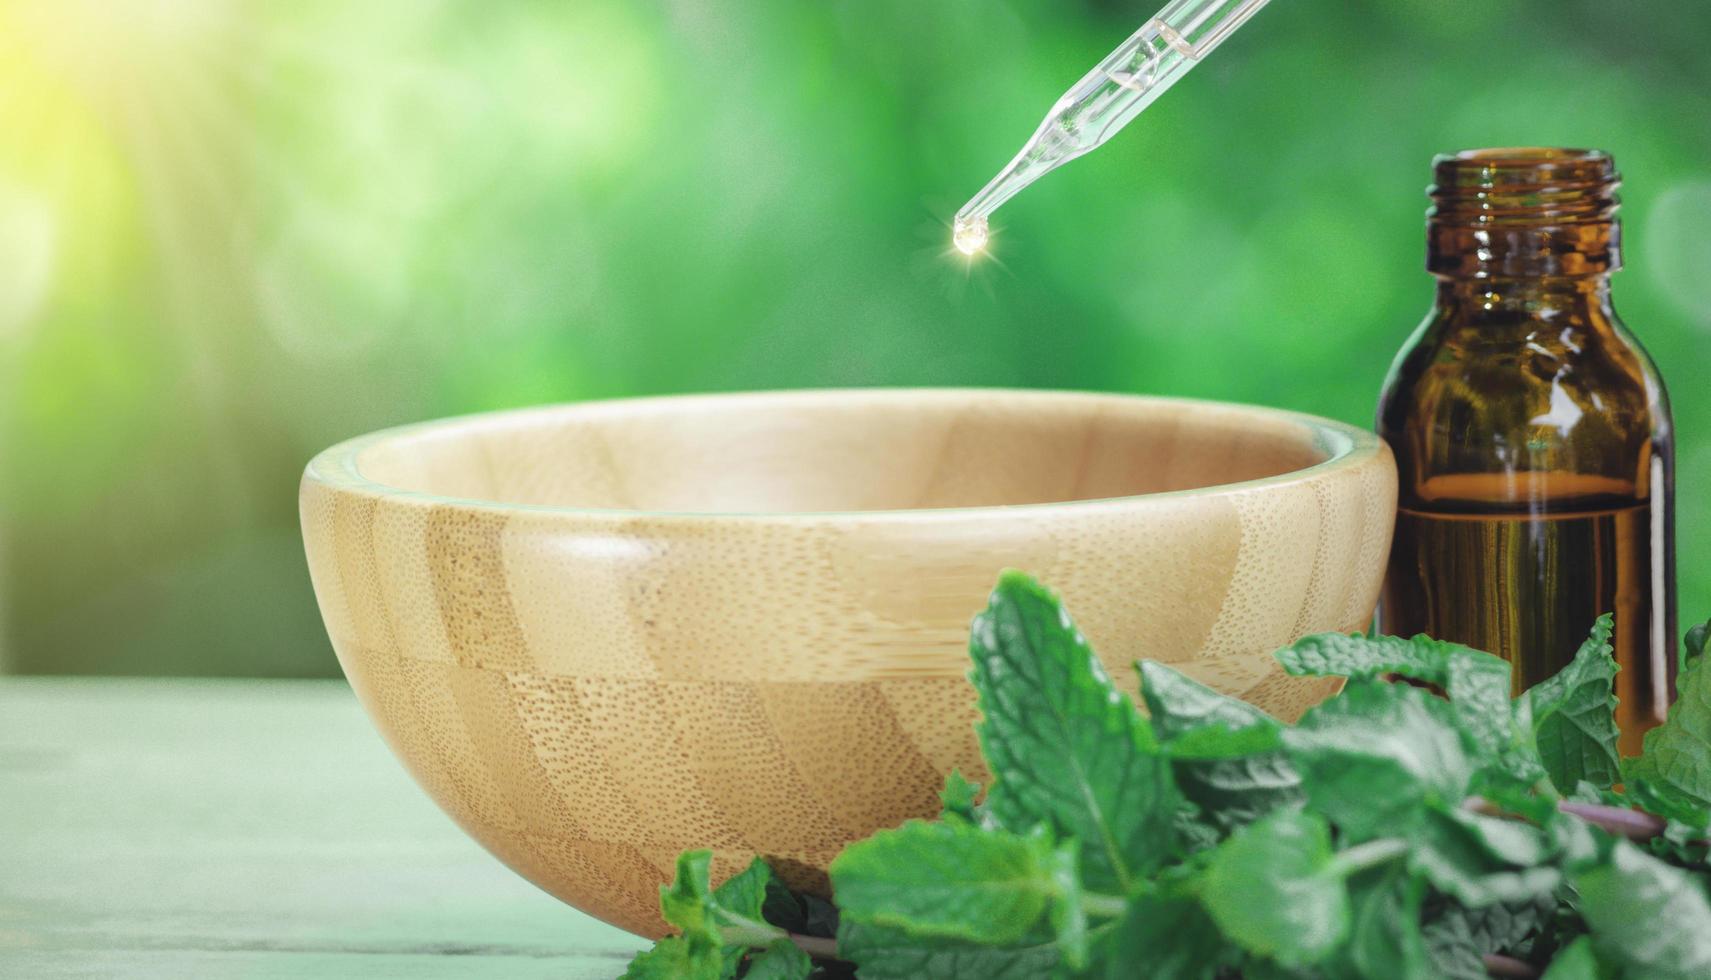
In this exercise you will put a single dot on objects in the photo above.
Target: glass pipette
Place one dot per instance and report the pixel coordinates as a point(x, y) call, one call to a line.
point(1104, 101)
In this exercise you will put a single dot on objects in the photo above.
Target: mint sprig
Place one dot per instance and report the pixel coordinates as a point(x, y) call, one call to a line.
point(1440, 829)
point(1574, 724)
point(1066, 750)
point(1676, 757)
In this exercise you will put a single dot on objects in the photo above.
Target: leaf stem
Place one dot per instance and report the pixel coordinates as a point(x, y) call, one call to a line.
point(739, 930)
point(1362, 856)
point(1107, 906)
point(1499, 965)
point(820, 946)
point(1632, 824)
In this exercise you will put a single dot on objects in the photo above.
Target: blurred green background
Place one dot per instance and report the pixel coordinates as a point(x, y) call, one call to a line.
point(234, 233)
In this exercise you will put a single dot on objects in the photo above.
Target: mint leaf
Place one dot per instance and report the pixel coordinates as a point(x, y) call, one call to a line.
point(783, 960)
point(1647, 918)
point(1457, 937)
point(1165, 937)
point(1481, 861)
point(1577, 961)
point(1232, 793)
point(1686, 825)
point(1178, 704)
point(1574, 716)
point(889, 953)
point(1068, 917)
point(1456, 943)
point(1693, 644)
point(687, 902)
point(1274, 889)
point(1476, 682)
point(1390, 833)
point(1372, 757)
point(806, 915)
point(1385, 937)
point(1216, 743)
point(821, 917)
point(677, 958)
point(958, 798)
point(1676, 756)
point(949, 879)
point(716, 927)
point(747, 893)
point(1226, 754)
point(1066, 749)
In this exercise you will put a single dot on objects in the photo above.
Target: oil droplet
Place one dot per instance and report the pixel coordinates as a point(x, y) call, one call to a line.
point(969, 234)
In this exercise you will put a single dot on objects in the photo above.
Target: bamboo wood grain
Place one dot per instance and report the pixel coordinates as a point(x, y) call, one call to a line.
point(601, 634)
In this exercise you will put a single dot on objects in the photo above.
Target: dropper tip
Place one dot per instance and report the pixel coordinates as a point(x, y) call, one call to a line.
point(969, 234)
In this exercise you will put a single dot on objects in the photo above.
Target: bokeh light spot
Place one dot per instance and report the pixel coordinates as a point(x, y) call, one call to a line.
point(28, 239)
point(329, 286)
point(1677, 251)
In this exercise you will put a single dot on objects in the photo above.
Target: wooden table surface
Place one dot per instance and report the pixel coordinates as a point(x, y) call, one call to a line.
point(254, 829)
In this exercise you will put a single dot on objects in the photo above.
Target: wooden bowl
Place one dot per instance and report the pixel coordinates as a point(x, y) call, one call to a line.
point(601, 634)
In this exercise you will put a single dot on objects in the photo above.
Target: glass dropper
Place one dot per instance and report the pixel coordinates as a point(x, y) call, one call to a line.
point(1104, 101)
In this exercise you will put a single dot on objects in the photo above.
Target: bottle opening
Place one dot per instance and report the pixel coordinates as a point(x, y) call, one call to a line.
point(1523, 212)
point(1523, 166)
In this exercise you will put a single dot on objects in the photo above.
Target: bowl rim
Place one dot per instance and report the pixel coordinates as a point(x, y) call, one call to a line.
point(337, 468)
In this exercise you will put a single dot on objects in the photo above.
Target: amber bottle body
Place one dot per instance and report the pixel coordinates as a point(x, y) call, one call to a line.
point(1532, 435)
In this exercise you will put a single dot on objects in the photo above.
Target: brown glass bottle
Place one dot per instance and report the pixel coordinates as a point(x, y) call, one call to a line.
point(1532, 434)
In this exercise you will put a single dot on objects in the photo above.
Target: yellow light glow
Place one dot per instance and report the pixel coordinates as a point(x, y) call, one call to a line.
point(970, 234)
point(102, 44)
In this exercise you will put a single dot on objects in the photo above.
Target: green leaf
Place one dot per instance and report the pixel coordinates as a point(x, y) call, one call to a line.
point(1535, 800)
point(1216, 743)
point(1233, 793)
point(1676, 756)
point(716, 927)
point(1196, 831)
point(1647, 918)
point(677, 958)
point(1481, 861)
point(1385, 938)
point(783, 960)
point(687, 902)
point(1372, 757)
point(1693, 644)
point(806, 915)
point(1576, 961)
point(958, 798)
point(949, 879)
point(1560, 926)
point(1066, 749)
point(888, 953)
point(1178, 704)
point(1068, 918)
point(1476, 682)
point(1275, 891)
point(1451, 952)
point(822, 917)
point(1165, 937)
point(1574, 716)
point(1686, 826)
point(747, 893)
point(1457, 937)
point(1226, 754)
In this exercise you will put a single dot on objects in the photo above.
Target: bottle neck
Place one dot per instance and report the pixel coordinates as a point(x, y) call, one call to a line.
point(1485, 300)
point(1523, 214)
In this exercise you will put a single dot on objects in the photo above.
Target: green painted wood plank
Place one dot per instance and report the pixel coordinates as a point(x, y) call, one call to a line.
point(247, 829)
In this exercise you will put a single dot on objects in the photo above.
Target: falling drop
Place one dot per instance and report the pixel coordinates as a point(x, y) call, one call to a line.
point(969, 234)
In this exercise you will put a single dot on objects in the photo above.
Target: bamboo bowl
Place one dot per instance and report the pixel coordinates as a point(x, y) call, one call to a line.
point(601, 634)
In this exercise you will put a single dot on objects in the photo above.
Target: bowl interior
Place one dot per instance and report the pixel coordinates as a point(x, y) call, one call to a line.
point(840, 451)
